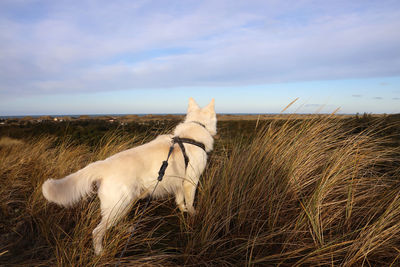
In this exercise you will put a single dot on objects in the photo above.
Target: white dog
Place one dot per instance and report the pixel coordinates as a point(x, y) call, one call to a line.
point(131, 174)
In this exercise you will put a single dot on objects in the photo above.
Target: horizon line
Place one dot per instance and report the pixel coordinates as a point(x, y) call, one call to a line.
point(179, 114)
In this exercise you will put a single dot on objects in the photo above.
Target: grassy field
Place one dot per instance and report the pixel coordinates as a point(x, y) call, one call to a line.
point(317, 191)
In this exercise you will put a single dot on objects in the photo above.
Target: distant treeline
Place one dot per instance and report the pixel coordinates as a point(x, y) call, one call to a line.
point(90, 131)
point(81, 131)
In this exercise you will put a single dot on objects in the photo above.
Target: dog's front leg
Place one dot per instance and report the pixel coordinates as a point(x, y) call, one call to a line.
point(180, 199)
point(189, 188)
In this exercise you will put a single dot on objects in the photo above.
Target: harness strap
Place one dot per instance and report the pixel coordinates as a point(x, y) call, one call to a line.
point(185, 157)
point(180, 142)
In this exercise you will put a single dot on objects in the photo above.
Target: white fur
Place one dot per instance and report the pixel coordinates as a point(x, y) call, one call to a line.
point(130, 174)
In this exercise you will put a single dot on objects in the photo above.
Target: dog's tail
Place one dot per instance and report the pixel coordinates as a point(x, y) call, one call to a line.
point(72, 188)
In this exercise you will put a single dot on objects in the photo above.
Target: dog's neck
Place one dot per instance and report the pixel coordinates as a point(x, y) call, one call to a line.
point(196, 131)
point(199, 123)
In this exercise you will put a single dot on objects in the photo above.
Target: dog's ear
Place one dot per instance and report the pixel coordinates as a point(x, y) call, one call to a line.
point(192, 105)
point(211, 105)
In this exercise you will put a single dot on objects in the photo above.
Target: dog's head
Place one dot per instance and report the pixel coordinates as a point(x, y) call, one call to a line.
point(206, 115)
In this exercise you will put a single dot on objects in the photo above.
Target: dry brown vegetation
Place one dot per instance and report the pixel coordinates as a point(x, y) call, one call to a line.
point(298, 193)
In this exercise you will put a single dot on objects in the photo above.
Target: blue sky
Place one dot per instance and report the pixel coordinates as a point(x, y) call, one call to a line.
point(97, 57)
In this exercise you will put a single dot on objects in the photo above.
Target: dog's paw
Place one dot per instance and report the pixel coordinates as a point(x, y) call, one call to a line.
point(98, 250)
point(191, 211)
point(182, 208)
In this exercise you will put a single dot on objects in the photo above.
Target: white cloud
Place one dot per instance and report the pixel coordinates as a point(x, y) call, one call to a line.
point(101, 46)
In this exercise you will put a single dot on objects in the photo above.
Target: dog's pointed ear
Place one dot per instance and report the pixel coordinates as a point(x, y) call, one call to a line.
point(192, 105)
point(211, 105)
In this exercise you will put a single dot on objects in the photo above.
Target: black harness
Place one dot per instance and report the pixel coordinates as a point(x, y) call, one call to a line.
point(180, 141)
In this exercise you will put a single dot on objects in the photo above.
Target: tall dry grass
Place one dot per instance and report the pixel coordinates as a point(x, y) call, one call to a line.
point(302, 193)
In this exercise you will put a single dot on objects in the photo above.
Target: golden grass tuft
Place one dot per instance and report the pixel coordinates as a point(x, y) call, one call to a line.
point(6, 141)
point(310, 192)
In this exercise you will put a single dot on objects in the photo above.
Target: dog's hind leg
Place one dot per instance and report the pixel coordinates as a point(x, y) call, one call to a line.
point(115, 203)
